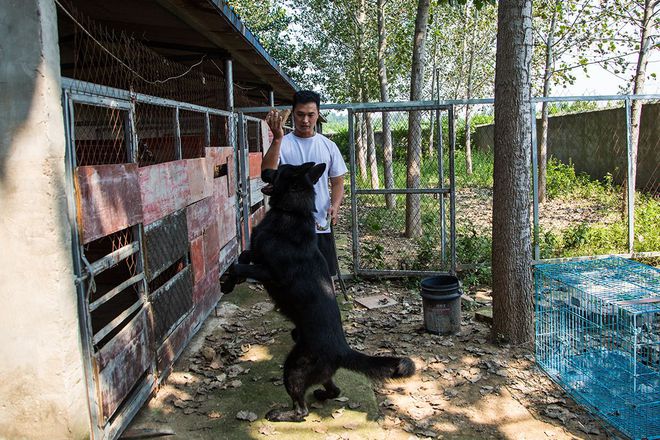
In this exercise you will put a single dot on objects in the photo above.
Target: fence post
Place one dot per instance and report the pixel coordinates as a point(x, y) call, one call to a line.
point(631, 189)
point(245, 182)
point(354, 223)
point(452, 189)
point(441, 184)
point(535, 182)
point(177, 134)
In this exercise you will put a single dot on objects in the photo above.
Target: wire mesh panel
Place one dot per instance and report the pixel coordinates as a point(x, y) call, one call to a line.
point(399, 192)
point(192, 129)
point(598, 336)
point(100, 135)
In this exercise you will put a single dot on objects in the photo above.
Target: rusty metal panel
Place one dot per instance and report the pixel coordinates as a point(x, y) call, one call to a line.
point(256, 195)
point(107, 200)
point(200, 215)
point(220, 156)
point(197, 258)
point(164, 189)
point(211, 246)
point(207, 286)
point(165, 242)
point(228, 255)
point(200, 179)
point(172, 347)
point(254, 160)
point(122, 362)
point(227, 221)
point(171, 302)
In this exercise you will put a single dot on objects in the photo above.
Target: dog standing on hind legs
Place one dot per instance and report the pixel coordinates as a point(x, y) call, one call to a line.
point(284, 256)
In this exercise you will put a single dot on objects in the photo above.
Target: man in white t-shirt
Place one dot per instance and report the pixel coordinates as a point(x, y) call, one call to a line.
point(305, 145)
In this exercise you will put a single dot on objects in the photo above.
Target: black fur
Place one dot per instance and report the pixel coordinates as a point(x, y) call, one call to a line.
point(286, 259)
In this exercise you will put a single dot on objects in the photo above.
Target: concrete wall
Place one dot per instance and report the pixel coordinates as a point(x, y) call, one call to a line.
point(42, 391)
point(596, 143)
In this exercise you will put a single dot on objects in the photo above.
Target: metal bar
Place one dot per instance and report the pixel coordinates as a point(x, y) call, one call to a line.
point(399, 273)
point(535, 184)
point(444, 104)
point(131, 136)
point(452, 186)
point(113, 292)
point(354, 223)
point(441, 168)
point(84, 323)
point(177, 134)
point(105, 331)
point(271, 98)
point(631, 189)
point(100, 101)
point(404, 191)
point(207, 129)
point(251, 118)
point(229, 84)
point(114, 257)
point(244, 186)
point(82, 88)
point(633, 255)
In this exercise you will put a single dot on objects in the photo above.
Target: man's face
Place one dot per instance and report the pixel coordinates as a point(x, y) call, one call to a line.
point(304, 119)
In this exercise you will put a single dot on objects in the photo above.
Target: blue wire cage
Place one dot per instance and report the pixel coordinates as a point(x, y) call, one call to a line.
point(598, 337)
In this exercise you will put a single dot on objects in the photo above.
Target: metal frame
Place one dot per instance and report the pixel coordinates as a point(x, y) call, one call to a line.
point(441, 190)
point(74, 91)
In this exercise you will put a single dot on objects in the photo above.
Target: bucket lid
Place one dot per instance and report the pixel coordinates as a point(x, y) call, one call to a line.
point(440, 283)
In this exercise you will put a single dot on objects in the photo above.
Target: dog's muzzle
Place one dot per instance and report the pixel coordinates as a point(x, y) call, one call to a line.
point(267, 190)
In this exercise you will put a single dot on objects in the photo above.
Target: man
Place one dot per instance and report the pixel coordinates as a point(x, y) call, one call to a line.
point(305, 145)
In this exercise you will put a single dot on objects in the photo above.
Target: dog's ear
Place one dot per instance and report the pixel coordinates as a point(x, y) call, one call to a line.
point(303, 168)
point(316, 172)
point(268, 175)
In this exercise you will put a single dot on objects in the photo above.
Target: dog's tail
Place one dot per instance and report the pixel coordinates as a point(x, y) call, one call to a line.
point(378, 367)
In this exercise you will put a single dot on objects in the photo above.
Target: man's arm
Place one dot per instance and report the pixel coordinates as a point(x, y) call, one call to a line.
point(336, 196)
point(272, 157)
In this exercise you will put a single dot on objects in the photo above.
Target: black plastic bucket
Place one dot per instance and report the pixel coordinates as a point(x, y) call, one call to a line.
point(441, 301)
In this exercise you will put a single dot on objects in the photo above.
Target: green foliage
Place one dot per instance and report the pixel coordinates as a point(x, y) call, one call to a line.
point(562, 108)
point(563, 181)
point(474, 247)
point(373, 255)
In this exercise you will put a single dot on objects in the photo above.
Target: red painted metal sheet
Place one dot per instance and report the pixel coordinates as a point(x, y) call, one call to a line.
point(208, 286)
point(227, 222)
point(198, 260)
point(211, 245)
point(224, 156)
point(255, 164)
point(164, 189)
point(221, 192)
point(107, 199)
point(228, 254)
point(172, 347)
point(200, 179)
point(122, 362)
point(200, 215)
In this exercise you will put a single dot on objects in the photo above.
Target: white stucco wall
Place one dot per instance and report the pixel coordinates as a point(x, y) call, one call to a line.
point(42, 388)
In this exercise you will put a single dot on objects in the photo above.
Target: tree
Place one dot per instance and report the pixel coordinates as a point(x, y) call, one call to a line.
point(512, 251)
point(390, 199)
point(414, 153)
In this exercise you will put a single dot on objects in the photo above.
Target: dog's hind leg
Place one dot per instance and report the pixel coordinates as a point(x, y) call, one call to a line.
point(330, 392)
point(297, 369)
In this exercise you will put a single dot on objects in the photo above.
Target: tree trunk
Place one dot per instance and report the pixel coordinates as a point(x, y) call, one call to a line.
point(371, 152)
point(543, 139)
point(512, 251)
point(360, 146)
point(414, 153)
point(390, 199)
point(636, 104)
point(468, 96)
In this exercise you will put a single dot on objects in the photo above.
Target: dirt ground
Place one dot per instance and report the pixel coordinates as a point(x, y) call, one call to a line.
point(466, 388)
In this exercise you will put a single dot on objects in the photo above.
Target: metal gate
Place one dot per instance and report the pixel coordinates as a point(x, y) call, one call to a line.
point(402, 179)
point(152, 206)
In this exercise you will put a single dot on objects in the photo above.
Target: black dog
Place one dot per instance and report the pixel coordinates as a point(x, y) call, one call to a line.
point(286, 259)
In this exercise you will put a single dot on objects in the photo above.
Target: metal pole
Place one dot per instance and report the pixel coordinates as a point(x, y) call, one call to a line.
point(84, 323)
point(452, 190)
point(441, 184)
point(631, 189)
point(354, 224)
point(177, 134)
point(207, 129)
point(229, 98)
point(245, 182)
point(535, 180)
point(271, 98)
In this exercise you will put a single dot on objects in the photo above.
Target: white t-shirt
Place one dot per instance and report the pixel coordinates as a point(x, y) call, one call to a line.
point(295, 150)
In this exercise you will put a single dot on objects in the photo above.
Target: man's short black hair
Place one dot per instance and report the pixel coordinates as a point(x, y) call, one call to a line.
point(305, 96)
